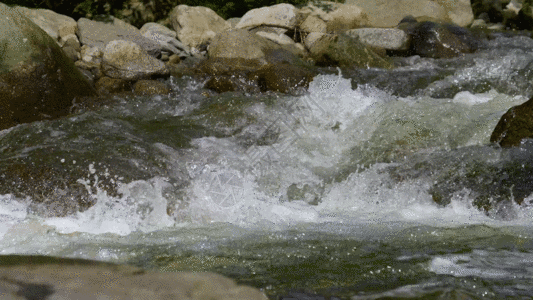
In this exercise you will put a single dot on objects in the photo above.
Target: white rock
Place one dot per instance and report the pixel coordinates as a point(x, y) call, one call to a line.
point(386, 38)
point(279, 15)
point(196, 25)
point(281, 39)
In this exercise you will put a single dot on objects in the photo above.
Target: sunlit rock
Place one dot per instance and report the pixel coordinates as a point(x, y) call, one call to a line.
point(56, 25)
point(126, 60)
point(165, 37)
point(37, 80)
point(99, 33)
point(196, 25)
point(386, 38)
point(280, 15)
point(387, 13)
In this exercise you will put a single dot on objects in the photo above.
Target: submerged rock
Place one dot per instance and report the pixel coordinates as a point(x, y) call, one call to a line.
point(514, 126)
point(37, 80)
point(41, 277)
point(150, 87)
point(283, 78)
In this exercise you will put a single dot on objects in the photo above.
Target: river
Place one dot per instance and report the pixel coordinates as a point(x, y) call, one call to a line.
point(327, 191)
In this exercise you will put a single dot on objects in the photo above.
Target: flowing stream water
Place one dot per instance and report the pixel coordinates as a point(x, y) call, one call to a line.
point(330, 191)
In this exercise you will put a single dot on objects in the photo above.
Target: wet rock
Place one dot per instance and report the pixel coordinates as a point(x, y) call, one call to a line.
point(150, 87)
point(50, 21)
point(386, 38)
point(98, 34)
point(108, 85)
point(514, 126)
point(433, 40)
point(345, 51)
point(221, 84)
point(388, 13)
point(283, 78)
point(40, 277)
point(37, 80)
point(492, 9)
point(126, 60)
point(196, 25)
point(280, 15)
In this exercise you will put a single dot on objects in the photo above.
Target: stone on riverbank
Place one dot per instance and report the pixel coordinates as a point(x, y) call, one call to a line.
point(516, 124)
point(40, 277)
point(37, 80)
point(280, 15)
point(99, 34)
point(56, 25)
point(345, 51)
point(388, 13)
point(126, 60)
point(195, 26)
point(386, 38)
point(429, 39)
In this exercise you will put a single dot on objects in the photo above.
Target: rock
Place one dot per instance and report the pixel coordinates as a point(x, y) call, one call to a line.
point(479, 23)
point(314, 24)
point(345, 51)
point(281, 39)
point(40, 277)
point(492, 10)
point(388, 13)
point(108, 85)
point(150, 87)
point(99, 34)
point(516, 124)
point(126, 60)
point(433, 40)
point(240, 50)
point(280, 15)
point(50, 21)
point(283, 77)
point(196, 25)
point(168, 43)
point(37, 80)
point(221, 84)
point(386, 38)
point(345, 17)
point(71, 53)
point(70, 40)
point(155, 27)
point(233, 22)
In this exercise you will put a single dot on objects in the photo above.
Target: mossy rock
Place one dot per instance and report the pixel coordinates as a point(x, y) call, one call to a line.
point(37, 80)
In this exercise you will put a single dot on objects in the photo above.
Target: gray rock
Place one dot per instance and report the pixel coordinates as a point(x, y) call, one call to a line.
point(167, 43)
point(39, 277)
point(99, 34)
point(196, 25)
point(280, 15)
point(386, 38)
point(50, 21)
point(126, 60)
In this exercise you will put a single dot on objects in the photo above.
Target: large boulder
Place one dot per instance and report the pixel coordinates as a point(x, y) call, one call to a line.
point(196, 25)
point(41, 277)
point(126, 60)
point(280, 15)
point(516, 124)
point(388, 13)
point(99, 34)
point(37, 79)
point(56, 25)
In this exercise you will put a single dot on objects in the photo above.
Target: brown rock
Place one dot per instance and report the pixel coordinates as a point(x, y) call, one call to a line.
point(108, 85)
point(196, 25)
point(283, 78)
point(150, 87)
point(220, 84)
